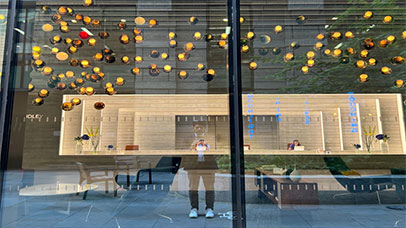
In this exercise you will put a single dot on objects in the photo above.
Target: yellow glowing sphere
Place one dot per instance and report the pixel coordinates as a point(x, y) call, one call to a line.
point(109, 84)
point(135, 70)
point(305, 69)
point(278, 29)
point(64, 28)
point(47, 71)
point(386, 70)
point(182, 74)
point(167, 68)
point(364, 53)
point(47, 28)
point(318, 45)
point(250, 35)
point(200, 66)
point(70, 74)
point(139, 39)
point(310, 55)
point(125, 59)
point(368, 14)
point(31, 87)
point(36, 56)
point(98, 56)
point(120, 81)
point(138, 59)
point(310, 63)
point(153, 23)
point(224, 36)
point(61, 76)
point(86, 20)
point(67, 106)
point(137, 31)
point(189, 46)
point(76, 101)
point(327, 52)
point(397, 60)
point(173, 43)
point(139, 20)
point(288, 56)
point(372, 62)
point(110, 91)
point(91, 42)
point(387, 19)
point(253, 65)
point(242, 20)
point(399, 83)
point(361, 64)
point(82, 90)
point(43, 93)
point(89, 91)
point(245, 48)
point(182, 56)
point(72, 49)
point(171, 35)
point(87, 2)
point(351, 51)
point(320, 36)
point(349, 35)
point(38, 101)
point(391, 39)
point(404, 35)
point(124, 39)
point(211, 72)
point(164, 56)
point(222, 43)
point(96, 70)
point(85, 63)
point(383, 43)
point(197, 36)
point(337, 52)
point(335, 35)
point(37, 49)
point(363, 77)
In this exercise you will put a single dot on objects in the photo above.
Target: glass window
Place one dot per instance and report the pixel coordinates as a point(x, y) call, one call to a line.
point(120, 115)
point(323, 108)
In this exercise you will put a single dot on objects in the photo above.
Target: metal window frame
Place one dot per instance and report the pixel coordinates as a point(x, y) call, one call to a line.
point(236, 118)
point(235, 106)
point(6, 94)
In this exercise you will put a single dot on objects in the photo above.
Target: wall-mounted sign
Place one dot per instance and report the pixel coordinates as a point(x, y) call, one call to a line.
point(250, 110)
point(353, 113)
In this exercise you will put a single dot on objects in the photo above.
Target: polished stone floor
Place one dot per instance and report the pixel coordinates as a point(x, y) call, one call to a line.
point(142, 206)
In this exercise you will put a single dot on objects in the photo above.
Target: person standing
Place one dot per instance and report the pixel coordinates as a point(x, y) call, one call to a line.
point(204, 167)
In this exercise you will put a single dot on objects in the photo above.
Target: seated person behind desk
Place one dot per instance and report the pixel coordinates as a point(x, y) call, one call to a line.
point(294, 144)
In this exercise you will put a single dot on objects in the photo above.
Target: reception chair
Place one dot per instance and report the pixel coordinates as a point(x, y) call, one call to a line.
point(86, 175)
point(353, 182)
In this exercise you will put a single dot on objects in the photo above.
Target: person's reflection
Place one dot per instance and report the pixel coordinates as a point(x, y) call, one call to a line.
point(201, 166)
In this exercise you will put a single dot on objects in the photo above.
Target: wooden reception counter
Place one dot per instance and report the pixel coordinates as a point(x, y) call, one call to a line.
point(220, 152)
point(168, 124)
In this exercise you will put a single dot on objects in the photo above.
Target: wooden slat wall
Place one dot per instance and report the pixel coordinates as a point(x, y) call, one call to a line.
point(154, 124)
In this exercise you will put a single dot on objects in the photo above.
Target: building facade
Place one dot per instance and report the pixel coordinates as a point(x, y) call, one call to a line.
point(131, 113)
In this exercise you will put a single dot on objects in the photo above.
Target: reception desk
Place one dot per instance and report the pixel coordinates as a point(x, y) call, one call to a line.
point(216, 152)
point(166, 124)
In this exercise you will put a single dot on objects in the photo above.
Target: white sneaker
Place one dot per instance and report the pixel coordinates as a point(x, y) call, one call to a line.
point(209, 213)
point(193, 213)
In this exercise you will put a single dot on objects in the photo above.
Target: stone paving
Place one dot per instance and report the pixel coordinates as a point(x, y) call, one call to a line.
point(163, 208)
